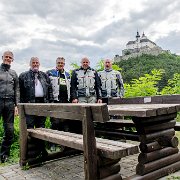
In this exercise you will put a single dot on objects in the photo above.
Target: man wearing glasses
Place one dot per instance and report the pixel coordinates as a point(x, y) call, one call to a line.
point(60, 80)
point(9, 97)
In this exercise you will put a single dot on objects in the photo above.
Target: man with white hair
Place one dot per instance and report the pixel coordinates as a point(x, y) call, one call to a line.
point(111, 81)
point(9, 97)
point(35, 87)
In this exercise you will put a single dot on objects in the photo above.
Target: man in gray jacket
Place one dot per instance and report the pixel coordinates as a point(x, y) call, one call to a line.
point(9, 97)
point(111, 81)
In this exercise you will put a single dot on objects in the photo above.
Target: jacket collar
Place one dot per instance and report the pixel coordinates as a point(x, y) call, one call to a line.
point(5, 67)
point(108, 70)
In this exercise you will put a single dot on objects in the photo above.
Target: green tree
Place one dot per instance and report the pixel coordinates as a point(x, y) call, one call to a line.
point(173, 86)
point(144, 86)
point(133, 68)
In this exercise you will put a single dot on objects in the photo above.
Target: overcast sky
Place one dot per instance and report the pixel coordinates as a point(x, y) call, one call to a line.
point(77, 28)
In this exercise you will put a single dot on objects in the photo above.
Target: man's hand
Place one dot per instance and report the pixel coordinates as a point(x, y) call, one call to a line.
point(99, 101)
point(75, 101)
point(16, 113)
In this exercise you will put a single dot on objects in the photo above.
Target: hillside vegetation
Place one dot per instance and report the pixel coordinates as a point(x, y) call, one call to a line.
point(133, 68)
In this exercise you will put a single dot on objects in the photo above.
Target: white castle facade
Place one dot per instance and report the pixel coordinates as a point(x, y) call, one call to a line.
point(142, 45)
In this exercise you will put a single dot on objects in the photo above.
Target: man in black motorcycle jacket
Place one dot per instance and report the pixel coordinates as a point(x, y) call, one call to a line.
point(35, 87)
point(9, 97)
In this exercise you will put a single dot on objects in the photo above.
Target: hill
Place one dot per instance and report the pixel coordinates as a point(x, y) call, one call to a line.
point(133, 68)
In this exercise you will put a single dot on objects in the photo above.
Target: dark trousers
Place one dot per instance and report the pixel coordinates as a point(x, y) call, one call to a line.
point(7, 113)
point(66, 125)
point(59, 124)
point(36, 122)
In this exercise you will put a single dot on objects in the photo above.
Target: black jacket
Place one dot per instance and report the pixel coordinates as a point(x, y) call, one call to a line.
point(27, 87)
point(9, 85)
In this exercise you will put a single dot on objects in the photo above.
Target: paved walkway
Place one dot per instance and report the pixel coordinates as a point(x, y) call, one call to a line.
point(66, 169)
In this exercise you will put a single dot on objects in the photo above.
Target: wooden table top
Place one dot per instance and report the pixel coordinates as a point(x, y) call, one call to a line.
point(143, 110)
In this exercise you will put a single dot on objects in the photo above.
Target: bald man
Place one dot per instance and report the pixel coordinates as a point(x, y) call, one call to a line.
point(9, 97)
point(85, 84)
point(111, 81)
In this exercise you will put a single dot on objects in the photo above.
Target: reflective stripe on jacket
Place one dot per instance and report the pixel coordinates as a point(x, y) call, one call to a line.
point(111, 83)
point(54, 77)
point(85, 83)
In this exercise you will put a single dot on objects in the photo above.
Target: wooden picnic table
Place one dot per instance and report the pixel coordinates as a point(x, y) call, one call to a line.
point(158, 144)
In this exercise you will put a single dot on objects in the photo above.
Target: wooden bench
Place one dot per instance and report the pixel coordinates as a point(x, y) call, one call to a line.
point(101, 156)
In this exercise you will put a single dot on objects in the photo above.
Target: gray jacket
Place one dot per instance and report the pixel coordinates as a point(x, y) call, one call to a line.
point(9, 85)
point(111, 83)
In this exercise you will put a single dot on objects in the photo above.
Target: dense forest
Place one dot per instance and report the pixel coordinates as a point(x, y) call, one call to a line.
point(133, 68)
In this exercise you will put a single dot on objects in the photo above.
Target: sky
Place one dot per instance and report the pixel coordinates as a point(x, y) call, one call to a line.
point(74, 29)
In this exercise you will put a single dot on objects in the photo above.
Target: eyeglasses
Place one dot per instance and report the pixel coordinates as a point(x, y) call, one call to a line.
point(8, 57)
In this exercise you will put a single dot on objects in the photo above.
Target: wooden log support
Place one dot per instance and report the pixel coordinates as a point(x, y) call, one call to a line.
point(150, 147)
point(152, 156)
point(154, 119)
point(113, 177)
point(107, 171)
point(156, 135)
point(168, 141)
point(157, 173)
point(150, 128)
point(143, 169)
point(106, 161)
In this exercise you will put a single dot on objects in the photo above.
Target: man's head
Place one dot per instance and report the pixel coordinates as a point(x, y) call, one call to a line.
point(60, 63)
point(7, 57)
point(85, 63)
point(34, 64)
point(108, 64)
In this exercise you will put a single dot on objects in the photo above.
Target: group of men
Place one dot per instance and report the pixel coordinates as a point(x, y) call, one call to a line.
point(55, 86)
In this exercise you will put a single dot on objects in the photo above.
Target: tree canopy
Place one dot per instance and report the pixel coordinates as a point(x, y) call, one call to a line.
point(133, 68)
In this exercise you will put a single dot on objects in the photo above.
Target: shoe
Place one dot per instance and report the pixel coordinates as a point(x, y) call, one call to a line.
point(4, 158)
point(53, 148)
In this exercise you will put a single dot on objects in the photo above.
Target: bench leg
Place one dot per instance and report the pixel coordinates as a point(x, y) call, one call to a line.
point(108, 169)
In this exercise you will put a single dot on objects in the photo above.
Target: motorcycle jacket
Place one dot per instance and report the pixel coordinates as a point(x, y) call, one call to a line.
point(85, 83)
point(54, 76)
point(9, 85)
point(111, 83)
point(27, 87)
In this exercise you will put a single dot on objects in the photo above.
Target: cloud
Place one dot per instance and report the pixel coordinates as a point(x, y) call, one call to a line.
point(73, 29)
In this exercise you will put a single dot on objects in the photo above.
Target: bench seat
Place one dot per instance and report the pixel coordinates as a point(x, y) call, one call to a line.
point(106, 148)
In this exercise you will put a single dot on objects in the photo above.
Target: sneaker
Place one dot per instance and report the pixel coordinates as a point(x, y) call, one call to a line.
point(4, 158)
point(53, 148)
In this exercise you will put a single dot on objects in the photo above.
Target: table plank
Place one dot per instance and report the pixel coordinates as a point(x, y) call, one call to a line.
point(142, 110)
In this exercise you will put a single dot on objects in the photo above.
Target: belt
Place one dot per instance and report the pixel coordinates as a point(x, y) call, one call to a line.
point(39, 99)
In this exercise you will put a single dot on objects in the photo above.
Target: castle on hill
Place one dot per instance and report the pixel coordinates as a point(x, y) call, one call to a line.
point(142, 45)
